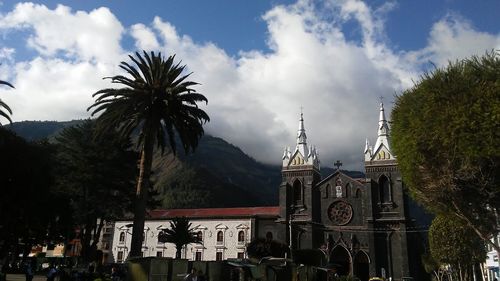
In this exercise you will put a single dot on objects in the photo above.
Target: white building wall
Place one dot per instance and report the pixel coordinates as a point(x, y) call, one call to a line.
point(229, 247)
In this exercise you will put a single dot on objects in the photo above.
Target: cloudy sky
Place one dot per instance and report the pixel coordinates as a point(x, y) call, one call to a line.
point(258, 62)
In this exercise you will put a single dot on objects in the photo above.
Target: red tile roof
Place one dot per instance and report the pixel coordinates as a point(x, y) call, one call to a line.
point(216, 212)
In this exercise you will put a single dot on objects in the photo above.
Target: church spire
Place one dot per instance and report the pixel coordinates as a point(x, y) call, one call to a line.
point(301, 133)
point(303, 154)
point(383, 128)
point(382, 148)
point(302, 138)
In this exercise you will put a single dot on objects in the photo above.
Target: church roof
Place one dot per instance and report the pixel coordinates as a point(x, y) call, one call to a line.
point(338, 172)
point(216, 212)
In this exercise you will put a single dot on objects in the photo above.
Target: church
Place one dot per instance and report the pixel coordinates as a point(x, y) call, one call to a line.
point(366, 227)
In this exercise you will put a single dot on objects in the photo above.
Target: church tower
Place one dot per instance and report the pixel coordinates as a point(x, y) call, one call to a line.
point(387, 203)
point(299, 200)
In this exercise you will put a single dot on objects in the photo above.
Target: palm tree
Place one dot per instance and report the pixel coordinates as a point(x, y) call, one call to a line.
point(4, 105)
point(157, 102)
point(179, 234)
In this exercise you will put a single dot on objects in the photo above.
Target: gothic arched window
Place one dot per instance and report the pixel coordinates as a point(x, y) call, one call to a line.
point(358, 193)
point(297, 192)
point(384, 186)
point(269, 236)
point(122, 236)
point(348, 188)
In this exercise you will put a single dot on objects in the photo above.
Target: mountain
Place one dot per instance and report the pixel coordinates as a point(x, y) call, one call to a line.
point(36, 130)
point(218, 174)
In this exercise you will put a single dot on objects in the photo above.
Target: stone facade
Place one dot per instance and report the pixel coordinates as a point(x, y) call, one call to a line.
point(364, 226)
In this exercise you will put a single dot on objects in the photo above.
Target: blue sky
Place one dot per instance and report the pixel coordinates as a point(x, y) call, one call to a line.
point(258, 61)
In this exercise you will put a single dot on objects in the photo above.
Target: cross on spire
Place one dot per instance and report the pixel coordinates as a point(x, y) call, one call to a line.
point(337, 164)
point(381, 99)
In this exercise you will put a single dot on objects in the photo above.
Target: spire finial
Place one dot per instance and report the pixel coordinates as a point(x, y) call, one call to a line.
point(301, 133)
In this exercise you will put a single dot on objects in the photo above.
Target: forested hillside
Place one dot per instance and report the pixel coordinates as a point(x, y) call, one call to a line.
point(218, 174)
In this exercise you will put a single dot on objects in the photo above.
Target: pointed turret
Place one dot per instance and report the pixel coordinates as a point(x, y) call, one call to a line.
point(368, 151)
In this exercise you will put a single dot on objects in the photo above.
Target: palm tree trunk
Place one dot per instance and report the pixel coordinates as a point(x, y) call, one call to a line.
point(141, 198)
point(178, 252)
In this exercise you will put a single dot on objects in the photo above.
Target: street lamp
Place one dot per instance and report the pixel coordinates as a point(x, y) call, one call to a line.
point(290, 220)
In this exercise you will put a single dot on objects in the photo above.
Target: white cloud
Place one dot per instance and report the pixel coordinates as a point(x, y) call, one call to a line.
point(80, 35)
point(254, 97)
point(452, 38)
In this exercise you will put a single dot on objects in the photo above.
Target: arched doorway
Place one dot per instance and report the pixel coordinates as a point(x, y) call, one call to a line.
point(361, 266)
point(341, 260)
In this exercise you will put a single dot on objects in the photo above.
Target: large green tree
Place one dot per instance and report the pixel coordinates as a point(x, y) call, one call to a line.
point(454, 243)
point(180, 233)
point(98, 175)
point(155, 100)
point(445, 133)
point(6, 109)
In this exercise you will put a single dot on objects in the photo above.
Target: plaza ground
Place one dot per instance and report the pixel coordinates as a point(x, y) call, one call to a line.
point(21, 277)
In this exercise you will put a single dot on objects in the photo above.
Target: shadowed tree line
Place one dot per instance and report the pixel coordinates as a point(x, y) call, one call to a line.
point(30, 213)
point(50, 190)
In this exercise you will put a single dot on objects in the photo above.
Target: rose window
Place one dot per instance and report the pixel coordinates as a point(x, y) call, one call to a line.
point(340, 212)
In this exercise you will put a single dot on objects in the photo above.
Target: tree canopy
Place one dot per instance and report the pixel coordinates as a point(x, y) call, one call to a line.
point(454, 243)
point(28, 214)
point(180, 233)
point(98, 176)
point(6, 109)
point(445, 134)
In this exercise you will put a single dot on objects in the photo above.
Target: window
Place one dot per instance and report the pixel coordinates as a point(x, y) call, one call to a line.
point(269, 236)
point(220, 237)
point(106, 245)
point(120, 256)
point(384, 189)
point(241, 255)
point(327, 189)
point(218, 256)
point(358, 193)
point(199, 235)
point(197, 256)
point(297, 192)
point(159, 254)
point(122, 237)
point(241, 237)
point(161, 236)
